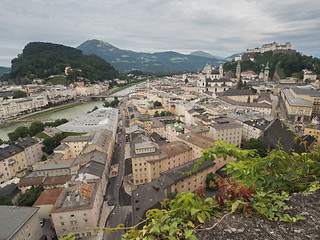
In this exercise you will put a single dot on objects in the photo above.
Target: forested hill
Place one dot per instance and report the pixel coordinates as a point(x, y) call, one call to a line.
point(4, 70)
point(281, 65)
point(41, 60)
point(126, 60)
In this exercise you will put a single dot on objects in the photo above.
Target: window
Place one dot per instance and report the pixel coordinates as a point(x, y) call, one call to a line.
point(29, 235)
point(72, 216)
point(62, 223)
point(86, 220)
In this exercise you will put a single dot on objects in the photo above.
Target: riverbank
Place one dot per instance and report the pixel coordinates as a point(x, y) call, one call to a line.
point(126, 86)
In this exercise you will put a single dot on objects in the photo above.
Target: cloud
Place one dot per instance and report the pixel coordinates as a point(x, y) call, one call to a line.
point(218, 27)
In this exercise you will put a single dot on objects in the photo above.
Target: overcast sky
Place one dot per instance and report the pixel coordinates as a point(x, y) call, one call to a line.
point(220, 27)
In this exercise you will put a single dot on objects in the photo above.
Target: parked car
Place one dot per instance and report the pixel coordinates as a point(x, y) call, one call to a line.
point(42, 221)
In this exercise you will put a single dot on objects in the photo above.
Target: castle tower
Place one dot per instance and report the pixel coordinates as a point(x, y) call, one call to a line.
point(221, 71)
point(238, 71)
point(266, 73)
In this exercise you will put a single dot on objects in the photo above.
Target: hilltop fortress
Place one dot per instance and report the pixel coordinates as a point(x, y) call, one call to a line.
point(270, 47)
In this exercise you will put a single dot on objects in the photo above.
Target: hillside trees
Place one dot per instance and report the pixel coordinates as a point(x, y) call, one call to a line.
point(40, 60)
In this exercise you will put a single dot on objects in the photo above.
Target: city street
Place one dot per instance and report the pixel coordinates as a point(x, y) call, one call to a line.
point(120, 213)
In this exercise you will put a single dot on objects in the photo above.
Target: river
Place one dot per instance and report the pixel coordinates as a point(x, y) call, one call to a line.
point(69, 113)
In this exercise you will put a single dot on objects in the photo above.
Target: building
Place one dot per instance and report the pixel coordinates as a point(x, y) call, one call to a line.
point(18, 223)
point(14, 160)
point(301, 103)
point(142, 150)
point(173, 130)
point(32, 149)
point(254, 128)
point(197, 142)
point(46, 201)
point(78, 209)
point(226, 129)
point(270, 47)
point(278, 135)
point(171, 156)
point(101, 119)
point(313, 130)
point(180, 179)
point(14, 107)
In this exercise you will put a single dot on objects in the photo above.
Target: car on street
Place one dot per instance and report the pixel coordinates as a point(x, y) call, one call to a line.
point(42, 221)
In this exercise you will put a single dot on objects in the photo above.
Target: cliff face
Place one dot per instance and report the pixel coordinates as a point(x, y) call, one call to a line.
point(238, 227)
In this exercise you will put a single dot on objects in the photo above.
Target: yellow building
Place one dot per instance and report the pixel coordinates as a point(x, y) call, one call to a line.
point(16, 160)
point(144, 121)
point(313, 130)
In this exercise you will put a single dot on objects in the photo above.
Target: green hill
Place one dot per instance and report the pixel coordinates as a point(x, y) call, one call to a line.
point(285, 65)
point(126, 60)
point(41, 60)
point(204, 54)
point(4, 70)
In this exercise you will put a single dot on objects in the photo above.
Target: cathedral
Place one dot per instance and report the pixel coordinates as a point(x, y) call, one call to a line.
point(211, 79)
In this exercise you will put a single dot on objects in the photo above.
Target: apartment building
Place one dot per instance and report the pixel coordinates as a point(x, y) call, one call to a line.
point(197, 142)
point(313, 130)
point(18, 223)
point(13, 159)
point(180, 179)
point(171, 156)
point(78, 209)
point(254, 128)
point(142, 150)
point(173, 130)
point(226, 129)
point(32, 149)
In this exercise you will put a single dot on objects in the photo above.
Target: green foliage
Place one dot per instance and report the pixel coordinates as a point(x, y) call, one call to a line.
point(162, 113)
point(29, 197)
point(106, 104)
point(1, 141)
point(95, 108)
point(186, 81)
point(40, 60)
point(115, 102)
point(253, 143)
point(43, 158)
point(19, 94)
point(259, 187)
point(283, 64)
point(212, 180)
point(51, 143)
point(5, 200)
point(157, 104)
point(156, 114)
point(18, 132)
point(36, 127)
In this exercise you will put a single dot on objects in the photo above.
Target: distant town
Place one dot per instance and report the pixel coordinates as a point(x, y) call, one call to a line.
point(118, 162)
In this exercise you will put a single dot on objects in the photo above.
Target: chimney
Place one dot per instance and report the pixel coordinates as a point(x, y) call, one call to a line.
point(77, 196)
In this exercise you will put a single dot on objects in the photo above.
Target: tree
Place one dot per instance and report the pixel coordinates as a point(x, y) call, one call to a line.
point(156, 114)
point(19, 132)
point(1, 141)
point(19, 94)
point(95, 108)
point(186, 81)
point(43, 158)
point(106, 104)
point(5, 200)
point(163, 113)
point(157, 104)
point(36, 127)
point(115, 102)
point(253, 143)
point(168, 113)
point(240, 84)
point(29, 197)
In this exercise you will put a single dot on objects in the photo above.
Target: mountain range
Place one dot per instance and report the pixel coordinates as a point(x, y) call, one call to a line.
point(4, 70)
point(126, 60)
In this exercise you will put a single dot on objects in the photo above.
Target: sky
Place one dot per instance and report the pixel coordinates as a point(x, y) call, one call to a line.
point(220, 28)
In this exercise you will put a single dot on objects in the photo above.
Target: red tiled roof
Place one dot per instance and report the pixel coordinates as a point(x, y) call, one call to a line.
point(57, 180)
point(48, 197)
point(30, 181)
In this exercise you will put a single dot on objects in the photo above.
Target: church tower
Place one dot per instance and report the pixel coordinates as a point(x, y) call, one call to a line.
point(266, 73)
point(238, 71)
point(221, 71)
